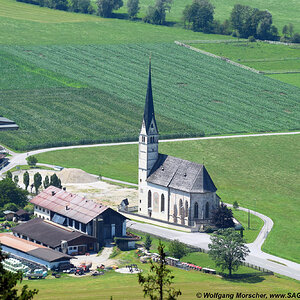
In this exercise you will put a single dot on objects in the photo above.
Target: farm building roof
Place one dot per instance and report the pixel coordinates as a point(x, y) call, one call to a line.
point(48, 254)
point(180, 174)
point(12, 241)
point(67, 204)
point(31, 248)
point(6, 124)
point(50, 233)
point(22, 212)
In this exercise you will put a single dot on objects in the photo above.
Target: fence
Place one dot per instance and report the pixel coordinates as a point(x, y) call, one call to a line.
point(218, 57)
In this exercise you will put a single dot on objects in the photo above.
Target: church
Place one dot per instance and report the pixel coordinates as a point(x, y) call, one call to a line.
point(171, 189)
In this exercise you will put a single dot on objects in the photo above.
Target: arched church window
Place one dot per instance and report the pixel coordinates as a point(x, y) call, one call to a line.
point(143, 139)
point(175, 210)
point(207, 210)
point(196, 211)
point(149, 199)
point(186, 209)
point(162, 203)
point(181, 208)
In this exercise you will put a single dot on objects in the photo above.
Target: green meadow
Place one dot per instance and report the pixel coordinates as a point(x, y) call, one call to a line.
point(280, 62)
point(281, 12)
point(26, 24)
point(125, 286)
point(260, 173)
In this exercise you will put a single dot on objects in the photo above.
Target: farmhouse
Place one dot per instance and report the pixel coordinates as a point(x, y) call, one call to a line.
point(171, 189)
point(78, 213)
point(55, 236)
point(32, 252)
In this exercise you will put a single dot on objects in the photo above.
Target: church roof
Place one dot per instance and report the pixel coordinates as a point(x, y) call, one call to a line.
point(149, 107)
point(180, 174)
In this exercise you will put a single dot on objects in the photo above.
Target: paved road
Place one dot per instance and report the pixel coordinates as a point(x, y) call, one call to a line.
point(256, 257)
point(20, 158)
point(201, 240)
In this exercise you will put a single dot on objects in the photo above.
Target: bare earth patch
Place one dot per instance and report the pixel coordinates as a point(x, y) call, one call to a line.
point(79, 182)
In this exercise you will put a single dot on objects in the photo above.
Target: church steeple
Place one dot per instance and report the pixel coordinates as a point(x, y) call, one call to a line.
point(149, 115)
point(148, 146)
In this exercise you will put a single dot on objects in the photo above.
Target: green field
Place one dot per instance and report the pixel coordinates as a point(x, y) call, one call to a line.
point(99, 91)
point(26, 24)
point(260, 173)
point(268, 58)
point(125, 286)
point(281, 12)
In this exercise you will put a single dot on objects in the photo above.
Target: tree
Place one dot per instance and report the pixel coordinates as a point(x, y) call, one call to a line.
point(157, 284)
point(9, 280)
point(265, 29)
point(222, 217)
point(228, 249)
point(10, 206)
point(46, 182)
point(157, 14)
point(37, 181)
point(26, 180)
point(200, 14)
point(60, 4)
point(82, 6)
point(133, 8)
point(285, 30)
point(31, 161)
point(10, 193)
point(105, 7)
point(291, 29)
point(296, 38)
point(235, 205)
point(148, 242)
point(16, 179)
point(9, 175)
point(177, 249)
point(55, 181)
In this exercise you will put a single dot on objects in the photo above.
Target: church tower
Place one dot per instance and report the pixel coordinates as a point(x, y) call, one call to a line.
point(148, 145)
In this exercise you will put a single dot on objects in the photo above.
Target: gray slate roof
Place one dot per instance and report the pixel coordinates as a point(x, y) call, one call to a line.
point(180, 174)
point(49, 255)
point(49, 233)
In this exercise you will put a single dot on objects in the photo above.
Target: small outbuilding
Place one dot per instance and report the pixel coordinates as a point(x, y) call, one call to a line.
point(32, 252)
point(9, 215)
point(22, 215)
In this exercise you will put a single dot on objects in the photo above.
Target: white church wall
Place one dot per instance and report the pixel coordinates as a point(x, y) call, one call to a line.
point(156, 194)
point(202, 199)
point(175, 197)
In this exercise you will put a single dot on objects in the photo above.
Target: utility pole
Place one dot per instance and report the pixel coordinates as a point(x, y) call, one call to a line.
point(248, 218)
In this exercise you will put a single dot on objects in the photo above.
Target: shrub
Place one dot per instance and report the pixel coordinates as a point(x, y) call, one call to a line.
point(115, 252)
point(251, 39)
point(177, 249)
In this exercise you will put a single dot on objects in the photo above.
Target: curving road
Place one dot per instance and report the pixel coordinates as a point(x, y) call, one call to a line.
point(256, 257)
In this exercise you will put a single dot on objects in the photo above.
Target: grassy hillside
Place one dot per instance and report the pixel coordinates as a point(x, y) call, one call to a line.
point(126, 287)
point(99, 91)
point(282, 61)
point(26, 24)
point(281, 12)
point(260, 173)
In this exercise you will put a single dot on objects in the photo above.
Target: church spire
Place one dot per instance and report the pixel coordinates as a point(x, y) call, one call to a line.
point(149, 107)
